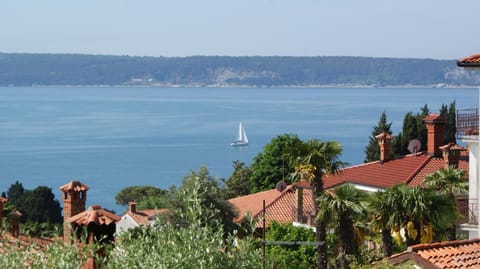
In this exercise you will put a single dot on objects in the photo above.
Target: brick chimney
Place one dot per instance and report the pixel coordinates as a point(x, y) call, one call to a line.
point(451, 154)
point(132, 207)
point(3, 200)
point(384, 142)
point(435, 124)
point(74, 198)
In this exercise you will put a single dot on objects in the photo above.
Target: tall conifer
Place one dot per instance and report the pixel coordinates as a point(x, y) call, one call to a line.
point(372, 152)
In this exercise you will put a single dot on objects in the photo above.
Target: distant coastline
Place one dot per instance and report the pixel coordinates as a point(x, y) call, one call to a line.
point(20, 69)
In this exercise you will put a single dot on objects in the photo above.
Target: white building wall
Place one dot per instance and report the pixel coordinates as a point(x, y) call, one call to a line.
point(473, 183)
point(125, 223)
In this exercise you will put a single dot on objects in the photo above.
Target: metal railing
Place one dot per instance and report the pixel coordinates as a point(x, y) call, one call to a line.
point(467, 122)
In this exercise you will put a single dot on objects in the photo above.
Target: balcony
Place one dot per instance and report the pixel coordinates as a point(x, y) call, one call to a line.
point(467, 122)
point(470, 210)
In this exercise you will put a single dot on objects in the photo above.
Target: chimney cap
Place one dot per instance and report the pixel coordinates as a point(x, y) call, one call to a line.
point(74, 185)
point(385, 135)
point(3, 200)
point(434, 118)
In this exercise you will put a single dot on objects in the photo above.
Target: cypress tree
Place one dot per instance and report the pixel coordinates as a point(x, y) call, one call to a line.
point(372, 151)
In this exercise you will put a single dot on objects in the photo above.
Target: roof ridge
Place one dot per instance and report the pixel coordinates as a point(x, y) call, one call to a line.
point(424, 246)
point(416, 171)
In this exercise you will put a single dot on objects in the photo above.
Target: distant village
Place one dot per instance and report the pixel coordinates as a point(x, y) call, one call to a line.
point(298, 204)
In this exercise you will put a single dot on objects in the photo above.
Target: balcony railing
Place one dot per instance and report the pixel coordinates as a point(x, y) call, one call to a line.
point(467, 122)
point(469, 212)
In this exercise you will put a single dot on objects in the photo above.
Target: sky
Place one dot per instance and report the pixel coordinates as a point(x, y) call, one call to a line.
point(439, 29)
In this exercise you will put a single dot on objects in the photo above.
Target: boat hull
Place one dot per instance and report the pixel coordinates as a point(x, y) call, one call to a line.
point(239, 144)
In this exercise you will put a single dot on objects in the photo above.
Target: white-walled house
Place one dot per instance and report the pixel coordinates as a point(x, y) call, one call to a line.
point(468, 132)
point(134, 218)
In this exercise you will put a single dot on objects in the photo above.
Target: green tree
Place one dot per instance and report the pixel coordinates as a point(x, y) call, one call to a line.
point(340, 208)
point(449, 113)
point(273, 163)
point(239, 182)
point(382, 207)
point(138, 194)
point(15, 194)
point(450, 181)
point(415, 209)
point(293, 256)
point(214, 204)
point(372, 151)
point(421, 128)
point(322, 158)
point(40, 205)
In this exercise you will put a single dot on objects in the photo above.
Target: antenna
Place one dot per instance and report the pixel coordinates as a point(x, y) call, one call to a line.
point(414, 145)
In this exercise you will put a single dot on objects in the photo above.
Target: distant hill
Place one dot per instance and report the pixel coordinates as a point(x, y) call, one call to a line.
point(73, 69)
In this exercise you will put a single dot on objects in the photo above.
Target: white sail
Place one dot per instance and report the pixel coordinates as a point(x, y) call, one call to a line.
point(242, 139)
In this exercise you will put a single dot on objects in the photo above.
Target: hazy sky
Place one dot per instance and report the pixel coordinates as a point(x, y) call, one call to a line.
point(442, 29)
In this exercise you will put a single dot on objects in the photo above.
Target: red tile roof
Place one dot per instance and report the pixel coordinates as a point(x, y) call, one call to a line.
point(410, 169)
point(145, 216)
point(74, 185)
point(450, 254)
point(95, 214)
point(472, 60)
point(279, 206)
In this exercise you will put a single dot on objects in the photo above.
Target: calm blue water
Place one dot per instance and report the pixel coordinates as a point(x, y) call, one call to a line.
point(111, 138)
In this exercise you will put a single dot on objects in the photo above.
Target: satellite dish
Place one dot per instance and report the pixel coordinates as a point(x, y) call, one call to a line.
point(281, 185)
point(414, 146)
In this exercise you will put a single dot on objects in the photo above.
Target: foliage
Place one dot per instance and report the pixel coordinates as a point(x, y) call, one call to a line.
point(450, 122)
point(318, 158)
point(293, 256)
point(199, 242)
point(274, 163)
point(340, 209)
point(239, 182)
point(37, 205)
point(138, 194)
point(214, 206)
point(414, 209)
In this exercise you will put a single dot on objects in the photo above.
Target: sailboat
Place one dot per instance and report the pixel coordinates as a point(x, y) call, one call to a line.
point(242, 139)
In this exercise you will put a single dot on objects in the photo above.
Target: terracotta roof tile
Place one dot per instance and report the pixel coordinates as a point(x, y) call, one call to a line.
point(450, 254)
point(435, 164)
point(472, 60)
point(145, 216)
point(74, 185)
point(434, 118)
point(94, 214)
point(253, 203)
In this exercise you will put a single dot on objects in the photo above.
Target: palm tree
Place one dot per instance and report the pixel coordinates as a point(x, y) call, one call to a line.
point(412, 209)
point(451, 182)
point(323, 158)
point(382, 204)
point(340, 207)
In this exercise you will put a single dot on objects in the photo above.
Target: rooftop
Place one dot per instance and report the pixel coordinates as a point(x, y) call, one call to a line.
point(469, 61)
point(445, 255)
point(74, 185)
point(94, 214)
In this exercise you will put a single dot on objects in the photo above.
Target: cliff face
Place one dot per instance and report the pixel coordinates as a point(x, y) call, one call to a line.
point(70, 69)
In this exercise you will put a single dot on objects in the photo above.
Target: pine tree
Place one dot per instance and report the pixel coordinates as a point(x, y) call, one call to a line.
point(372, 151)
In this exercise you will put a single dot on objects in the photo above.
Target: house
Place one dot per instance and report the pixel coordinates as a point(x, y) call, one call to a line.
point(468, 132)
point(134, 218)
point(450, 254)
point(294, 203)
point(284, 204)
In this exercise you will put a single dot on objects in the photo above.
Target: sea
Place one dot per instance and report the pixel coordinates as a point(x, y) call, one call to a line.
point(114, 137)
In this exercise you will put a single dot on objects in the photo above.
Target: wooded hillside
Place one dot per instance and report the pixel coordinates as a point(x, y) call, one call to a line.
point(72, 69)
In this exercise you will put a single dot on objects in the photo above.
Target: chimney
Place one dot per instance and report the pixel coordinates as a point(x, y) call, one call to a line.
point(451, 154)
point(384, 142)
point(74, 198)
point(132, 207)
point(435, 124)
point(299, 199)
